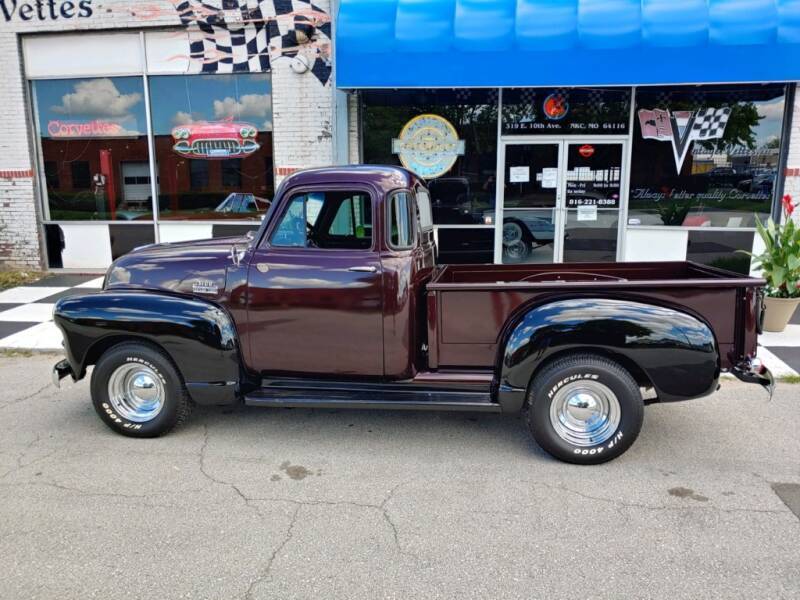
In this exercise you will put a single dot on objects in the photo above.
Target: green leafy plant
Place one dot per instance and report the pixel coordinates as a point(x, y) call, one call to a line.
point(780, 260)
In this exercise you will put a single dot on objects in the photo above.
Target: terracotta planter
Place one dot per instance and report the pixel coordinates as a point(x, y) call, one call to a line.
point(778, 311)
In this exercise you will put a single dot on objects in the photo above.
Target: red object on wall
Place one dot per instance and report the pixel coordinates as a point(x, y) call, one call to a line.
point(107, 169)
point(586, 150)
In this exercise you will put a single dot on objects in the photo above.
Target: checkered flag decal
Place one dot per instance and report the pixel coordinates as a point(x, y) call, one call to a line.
point(244, 36)
point(709, 123)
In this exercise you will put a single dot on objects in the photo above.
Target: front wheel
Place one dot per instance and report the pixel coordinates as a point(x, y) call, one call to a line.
point(585, 409)
point(138, 392)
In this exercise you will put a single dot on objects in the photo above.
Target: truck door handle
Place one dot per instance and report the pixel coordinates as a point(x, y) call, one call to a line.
point(363, 269)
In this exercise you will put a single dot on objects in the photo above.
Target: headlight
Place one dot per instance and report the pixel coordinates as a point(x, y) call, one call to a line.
point(180, 134)
point(245, 132)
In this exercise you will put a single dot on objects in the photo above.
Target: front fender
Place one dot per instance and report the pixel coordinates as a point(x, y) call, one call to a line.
point(676, 351)
point(200, 337)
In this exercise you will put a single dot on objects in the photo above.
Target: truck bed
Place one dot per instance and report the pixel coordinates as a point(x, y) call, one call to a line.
point(468, 305)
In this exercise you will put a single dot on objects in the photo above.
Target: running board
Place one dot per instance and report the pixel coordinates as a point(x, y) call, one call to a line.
point(290, 394)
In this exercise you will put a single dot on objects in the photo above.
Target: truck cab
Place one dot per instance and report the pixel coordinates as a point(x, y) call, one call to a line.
point(340, 267)
point(337, 301)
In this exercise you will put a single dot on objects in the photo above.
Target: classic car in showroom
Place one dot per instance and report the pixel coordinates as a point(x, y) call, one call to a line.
point(215, 140)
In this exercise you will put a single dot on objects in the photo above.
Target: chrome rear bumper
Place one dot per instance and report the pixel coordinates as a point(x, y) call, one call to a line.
point(753, 371)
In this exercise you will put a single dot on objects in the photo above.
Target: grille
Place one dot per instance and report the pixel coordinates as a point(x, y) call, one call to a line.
point(210, 146)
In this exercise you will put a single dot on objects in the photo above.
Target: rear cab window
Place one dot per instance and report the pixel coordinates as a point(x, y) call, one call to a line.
point(425, 214)
point(401, 215)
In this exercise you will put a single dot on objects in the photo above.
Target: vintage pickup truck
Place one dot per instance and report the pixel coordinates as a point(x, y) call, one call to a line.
point(337, 301)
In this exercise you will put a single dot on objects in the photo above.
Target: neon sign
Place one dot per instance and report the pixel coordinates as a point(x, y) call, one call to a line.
point(86, 129)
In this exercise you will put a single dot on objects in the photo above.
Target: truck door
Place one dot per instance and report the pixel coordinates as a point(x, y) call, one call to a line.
point(314, 288)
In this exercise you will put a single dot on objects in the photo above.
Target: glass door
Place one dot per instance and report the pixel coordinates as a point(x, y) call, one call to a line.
point(530, 194)
point(592, 200)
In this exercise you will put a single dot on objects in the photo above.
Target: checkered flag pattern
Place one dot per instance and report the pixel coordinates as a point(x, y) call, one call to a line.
point(709, 123)
point(463, 96)
point(595, 102)
point(233, 36)
point(525, 96)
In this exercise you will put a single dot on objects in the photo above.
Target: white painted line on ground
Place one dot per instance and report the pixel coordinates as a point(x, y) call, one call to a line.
point(775, 364)
point(24, 294)
point(789, 337)
point(94, 284)
point(44, 336)
point(28, 313)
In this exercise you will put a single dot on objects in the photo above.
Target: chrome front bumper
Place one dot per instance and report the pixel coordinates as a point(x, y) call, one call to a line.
point(61, 370)
point(753, 371)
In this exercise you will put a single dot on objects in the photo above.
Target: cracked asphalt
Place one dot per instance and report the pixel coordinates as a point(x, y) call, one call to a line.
point(261, 503)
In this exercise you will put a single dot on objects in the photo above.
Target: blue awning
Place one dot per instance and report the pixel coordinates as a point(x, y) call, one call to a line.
point(479, 43)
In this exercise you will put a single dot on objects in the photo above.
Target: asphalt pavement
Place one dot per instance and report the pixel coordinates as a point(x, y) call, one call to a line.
point(276, 503)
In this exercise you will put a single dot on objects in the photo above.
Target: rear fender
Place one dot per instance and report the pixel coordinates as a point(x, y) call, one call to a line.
point(676, 352)
point(200, 337)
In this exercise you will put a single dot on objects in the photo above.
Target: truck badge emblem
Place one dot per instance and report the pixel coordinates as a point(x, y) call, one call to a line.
point(204, 286)
point(682, 127)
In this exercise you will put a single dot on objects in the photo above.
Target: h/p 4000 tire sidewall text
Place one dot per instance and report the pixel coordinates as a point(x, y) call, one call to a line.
point(176, 403)
point(572, 371)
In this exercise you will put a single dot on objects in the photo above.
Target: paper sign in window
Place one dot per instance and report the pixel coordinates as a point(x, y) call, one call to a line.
point(587, 213)
point(519, 174)
point(549, 178)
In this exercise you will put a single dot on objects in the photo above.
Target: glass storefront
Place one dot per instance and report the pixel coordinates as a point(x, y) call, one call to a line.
point(93, 136)
point(705, 156)
point(463, 196)
point(213, 141)
point(212, 136)
point(582, 166)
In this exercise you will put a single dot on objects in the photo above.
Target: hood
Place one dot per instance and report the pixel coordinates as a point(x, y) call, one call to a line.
point(197, 268)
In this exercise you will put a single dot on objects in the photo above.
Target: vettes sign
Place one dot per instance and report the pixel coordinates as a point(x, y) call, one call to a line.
point(44, 10)
point(682, 127)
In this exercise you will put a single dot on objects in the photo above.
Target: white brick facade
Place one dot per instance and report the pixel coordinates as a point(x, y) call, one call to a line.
point(302, 112)
point(792, 181)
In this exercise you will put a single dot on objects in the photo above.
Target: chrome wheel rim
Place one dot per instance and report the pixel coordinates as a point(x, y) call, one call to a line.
point(512, 233)
point(585, 413)
point(136, 392)
point(516, 251)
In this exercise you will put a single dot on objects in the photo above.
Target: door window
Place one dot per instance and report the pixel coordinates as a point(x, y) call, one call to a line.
point(328, 220)
point(530, 189)
point(593, 198)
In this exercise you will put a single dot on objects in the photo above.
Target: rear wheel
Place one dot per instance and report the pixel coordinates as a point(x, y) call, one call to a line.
point(584, 409)
point(138, 392)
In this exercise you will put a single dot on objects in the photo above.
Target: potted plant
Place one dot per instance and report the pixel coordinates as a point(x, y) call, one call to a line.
point(780, 266)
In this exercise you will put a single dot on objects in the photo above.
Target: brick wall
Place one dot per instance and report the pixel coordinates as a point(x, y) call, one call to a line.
point(301, 113)
point(792, 183)
point(353, 126)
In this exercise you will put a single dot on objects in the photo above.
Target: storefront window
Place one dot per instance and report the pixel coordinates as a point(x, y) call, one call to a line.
point(213, 140)
point(566, 111)
point(705, 156)
point(93, 138)
point(449, 138)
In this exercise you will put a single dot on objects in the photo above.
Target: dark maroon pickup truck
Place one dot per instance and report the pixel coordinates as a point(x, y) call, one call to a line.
point(336, 301)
